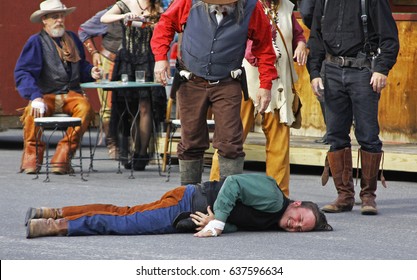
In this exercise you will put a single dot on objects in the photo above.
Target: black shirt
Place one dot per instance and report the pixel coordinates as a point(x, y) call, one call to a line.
point(340, 33)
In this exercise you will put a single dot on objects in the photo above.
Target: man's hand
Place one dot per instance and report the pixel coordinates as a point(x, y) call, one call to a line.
point(301, 53)
point(213, 228)
point(378, 81)
point(38, 108)
point(95, 73)
point(317, 86)
point(201, 219)
point(263, 97)
point(161, 72)
point(96, 59)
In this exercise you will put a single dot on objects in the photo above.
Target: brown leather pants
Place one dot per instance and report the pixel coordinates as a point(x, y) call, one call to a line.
point(74, 104)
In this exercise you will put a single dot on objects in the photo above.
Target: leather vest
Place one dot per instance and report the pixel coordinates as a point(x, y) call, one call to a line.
point(212, 50)
point(56, 77)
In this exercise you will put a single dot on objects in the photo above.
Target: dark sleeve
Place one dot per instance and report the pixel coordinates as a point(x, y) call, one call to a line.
point(315, 43)
point(306, 11)
point(387, 32)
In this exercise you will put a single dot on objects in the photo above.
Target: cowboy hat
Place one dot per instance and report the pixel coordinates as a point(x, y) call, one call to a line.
point(220, 2)
point(48, 7)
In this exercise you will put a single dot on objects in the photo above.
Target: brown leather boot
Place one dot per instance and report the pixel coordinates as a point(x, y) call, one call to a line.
point(46, 227)
point(341, 168)
point(43, 212)
point(60, 162)
point(110, 143)
point(30, 164)
point(370, 167)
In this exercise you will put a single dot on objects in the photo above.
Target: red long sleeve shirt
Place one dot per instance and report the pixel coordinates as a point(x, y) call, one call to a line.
point(259, 31)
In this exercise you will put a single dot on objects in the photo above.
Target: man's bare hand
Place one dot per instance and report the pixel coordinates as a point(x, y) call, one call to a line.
point(263, 97)
point(161, 72)
point(378, 81)
point(301, 53)
point(95, 73)
point(317, 86)
point(201, 219)
point(96, 59)
point(213, 228)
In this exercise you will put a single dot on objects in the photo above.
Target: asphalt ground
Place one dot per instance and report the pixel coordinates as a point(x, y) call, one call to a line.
point(391, 235)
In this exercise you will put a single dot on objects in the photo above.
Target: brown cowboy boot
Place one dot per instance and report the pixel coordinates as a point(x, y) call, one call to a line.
point(30, 164)
point(46, 227)
point(61, 161)
point(110, 143)
point(43, 212)
point(341, 168)
point(370, 167)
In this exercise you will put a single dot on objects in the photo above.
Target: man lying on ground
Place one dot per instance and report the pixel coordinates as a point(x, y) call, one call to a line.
point(244, 202)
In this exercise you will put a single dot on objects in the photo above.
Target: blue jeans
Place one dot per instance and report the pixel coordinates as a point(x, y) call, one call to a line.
point(349, 95)
point(155, 218)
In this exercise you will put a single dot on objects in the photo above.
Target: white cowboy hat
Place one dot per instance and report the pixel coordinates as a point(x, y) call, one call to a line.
point(48, 7)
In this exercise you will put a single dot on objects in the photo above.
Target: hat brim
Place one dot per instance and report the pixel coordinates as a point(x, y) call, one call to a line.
point(36, 17)
point(220, 2)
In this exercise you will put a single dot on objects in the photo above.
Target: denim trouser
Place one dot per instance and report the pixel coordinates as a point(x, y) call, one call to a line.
point(349, 95)
point(152, 218)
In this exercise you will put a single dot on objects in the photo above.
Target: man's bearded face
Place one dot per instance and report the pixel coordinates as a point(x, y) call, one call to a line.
point(54, 24)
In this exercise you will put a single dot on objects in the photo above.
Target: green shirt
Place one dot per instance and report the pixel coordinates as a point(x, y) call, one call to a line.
point(255, 190)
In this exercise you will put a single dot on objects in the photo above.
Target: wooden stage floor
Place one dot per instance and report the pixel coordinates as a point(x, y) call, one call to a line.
point(303, 151)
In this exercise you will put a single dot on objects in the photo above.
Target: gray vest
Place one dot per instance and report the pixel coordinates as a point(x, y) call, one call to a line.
point(113, 37)
point(210, 50)
point(55, 76)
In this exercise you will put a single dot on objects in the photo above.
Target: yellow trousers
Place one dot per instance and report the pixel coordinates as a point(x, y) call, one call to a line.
point(105, 96)
point(277, 146)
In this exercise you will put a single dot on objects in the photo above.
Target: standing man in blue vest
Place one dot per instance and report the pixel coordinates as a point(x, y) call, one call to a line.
point(358, 42)
point(213, 47)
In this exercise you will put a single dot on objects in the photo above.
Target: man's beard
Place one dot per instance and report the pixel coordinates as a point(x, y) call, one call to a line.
point(229, 8)
point(58, 31)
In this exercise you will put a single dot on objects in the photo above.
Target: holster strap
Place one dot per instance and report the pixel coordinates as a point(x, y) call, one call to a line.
point(108, 54)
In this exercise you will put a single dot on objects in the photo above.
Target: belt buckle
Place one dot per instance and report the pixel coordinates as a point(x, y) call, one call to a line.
point(343, 61)
point(213, 82)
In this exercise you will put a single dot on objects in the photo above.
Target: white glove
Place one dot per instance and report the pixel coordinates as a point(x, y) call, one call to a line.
point(38, 109)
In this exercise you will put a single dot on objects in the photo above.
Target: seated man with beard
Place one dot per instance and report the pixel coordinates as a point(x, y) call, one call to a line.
point(240, 202)
point(48, 73)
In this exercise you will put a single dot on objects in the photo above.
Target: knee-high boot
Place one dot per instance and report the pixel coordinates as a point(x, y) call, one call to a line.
point(110, 143)
point(78, 107)
point(31, 161)
point(191, 171)
point(230, 166)
point(341, 167)
point(370, 167)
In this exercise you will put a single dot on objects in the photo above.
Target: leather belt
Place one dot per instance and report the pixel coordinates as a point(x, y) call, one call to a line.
point(198, 79)
point(345, 61)
point(108, 54)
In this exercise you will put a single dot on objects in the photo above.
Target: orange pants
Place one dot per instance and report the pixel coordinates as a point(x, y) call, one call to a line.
point(74, 104)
